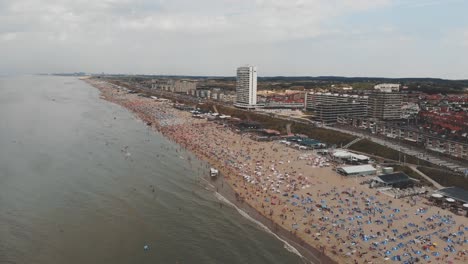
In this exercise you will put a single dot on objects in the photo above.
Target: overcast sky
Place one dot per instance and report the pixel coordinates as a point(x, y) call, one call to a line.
point(388, 38)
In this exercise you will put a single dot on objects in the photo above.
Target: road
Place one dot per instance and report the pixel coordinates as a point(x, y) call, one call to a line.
point(436, 184)
point(406, 150)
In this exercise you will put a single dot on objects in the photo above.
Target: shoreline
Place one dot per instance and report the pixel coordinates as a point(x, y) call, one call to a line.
point(328, 218)
point(305, 251)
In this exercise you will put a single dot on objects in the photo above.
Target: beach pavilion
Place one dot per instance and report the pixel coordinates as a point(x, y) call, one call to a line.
point(458, 194)
point(350, 157)
point(360, 170)
point(304, 141)
point(394, 180)
point(454, 198)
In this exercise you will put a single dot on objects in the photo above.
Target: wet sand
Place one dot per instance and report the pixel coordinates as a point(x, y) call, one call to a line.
point(302, 200)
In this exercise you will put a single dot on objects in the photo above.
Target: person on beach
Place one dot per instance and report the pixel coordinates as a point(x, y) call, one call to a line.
point(314, 203)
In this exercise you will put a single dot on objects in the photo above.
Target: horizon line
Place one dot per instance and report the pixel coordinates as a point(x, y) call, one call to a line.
point(259, 76)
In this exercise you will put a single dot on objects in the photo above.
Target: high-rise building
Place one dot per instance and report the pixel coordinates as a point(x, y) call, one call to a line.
point(328, 107)
point(246, 88)
point(385, 105)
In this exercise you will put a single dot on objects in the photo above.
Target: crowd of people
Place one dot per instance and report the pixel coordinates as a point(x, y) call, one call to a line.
point(346, 220)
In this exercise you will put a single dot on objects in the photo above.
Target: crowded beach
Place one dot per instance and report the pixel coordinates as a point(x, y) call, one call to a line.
point(301, 191)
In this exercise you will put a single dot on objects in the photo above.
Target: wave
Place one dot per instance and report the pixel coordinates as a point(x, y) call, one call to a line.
point(287, 246)
point(211, 185)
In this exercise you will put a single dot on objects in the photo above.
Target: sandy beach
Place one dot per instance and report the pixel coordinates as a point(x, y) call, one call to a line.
point(334, 217)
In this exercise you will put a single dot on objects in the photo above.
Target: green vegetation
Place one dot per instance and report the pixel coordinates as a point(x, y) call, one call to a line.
point(427, 85)
point(373, 148)
point(321, 134)
point(363, 86)
point(324, 135)
point(370, 147)
point(445, 178)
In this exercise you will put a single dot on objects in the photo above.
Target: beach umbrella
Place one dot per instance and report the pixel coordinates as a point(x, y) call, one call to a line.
point(465, 205)
point(450, 200)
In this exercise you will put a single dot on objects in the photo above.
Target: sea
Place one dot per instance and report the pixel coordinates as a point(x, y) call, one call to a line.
point(82, 180)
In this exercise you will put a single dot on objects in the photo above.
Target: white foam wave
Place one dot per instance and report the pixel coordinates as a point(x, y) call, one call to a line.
point(211, 185)
point(287, 246)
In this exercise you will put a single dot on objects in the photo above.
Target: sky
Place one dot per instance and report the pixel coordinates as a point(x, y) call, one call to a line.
point(379, 38)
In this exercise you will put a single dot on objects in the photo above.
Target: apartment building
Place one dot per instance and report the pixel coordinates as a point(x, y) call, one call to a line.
point(184, 86)
point(246, 87)
point(385, 105)
point(328, 107)
point(175, 86)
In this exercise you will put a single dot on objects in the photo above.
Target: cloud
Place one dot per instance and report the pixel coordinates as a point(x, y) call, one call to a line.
point(463, 38)
point(456, 38)
point(7, 36)
point(305, 37)
point(259, 19)
point(255, 20)
point(424, 3)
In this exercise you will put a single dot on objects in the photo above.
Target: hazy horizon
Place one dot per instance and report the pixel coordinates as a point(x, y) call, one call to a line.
point(359, 38)
point(234, 76)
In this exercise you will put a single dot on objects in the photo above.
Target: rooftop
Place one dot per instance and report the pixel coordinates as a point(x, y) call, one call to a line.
point(394, 178)
point(358, 169)
point(456, 193)
point(348, 155)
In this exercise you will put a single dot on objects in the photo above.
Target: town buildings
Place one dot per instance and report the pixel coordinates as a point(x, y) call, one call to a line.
point(409, 110)
point(184, 86)
point(175, 86)
point(436, 122)
point(387, 87)
point(413, 134)
point(214, 94)
point(328, 107)
point(246, 87)
point(376, 104)
point(289, 99)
